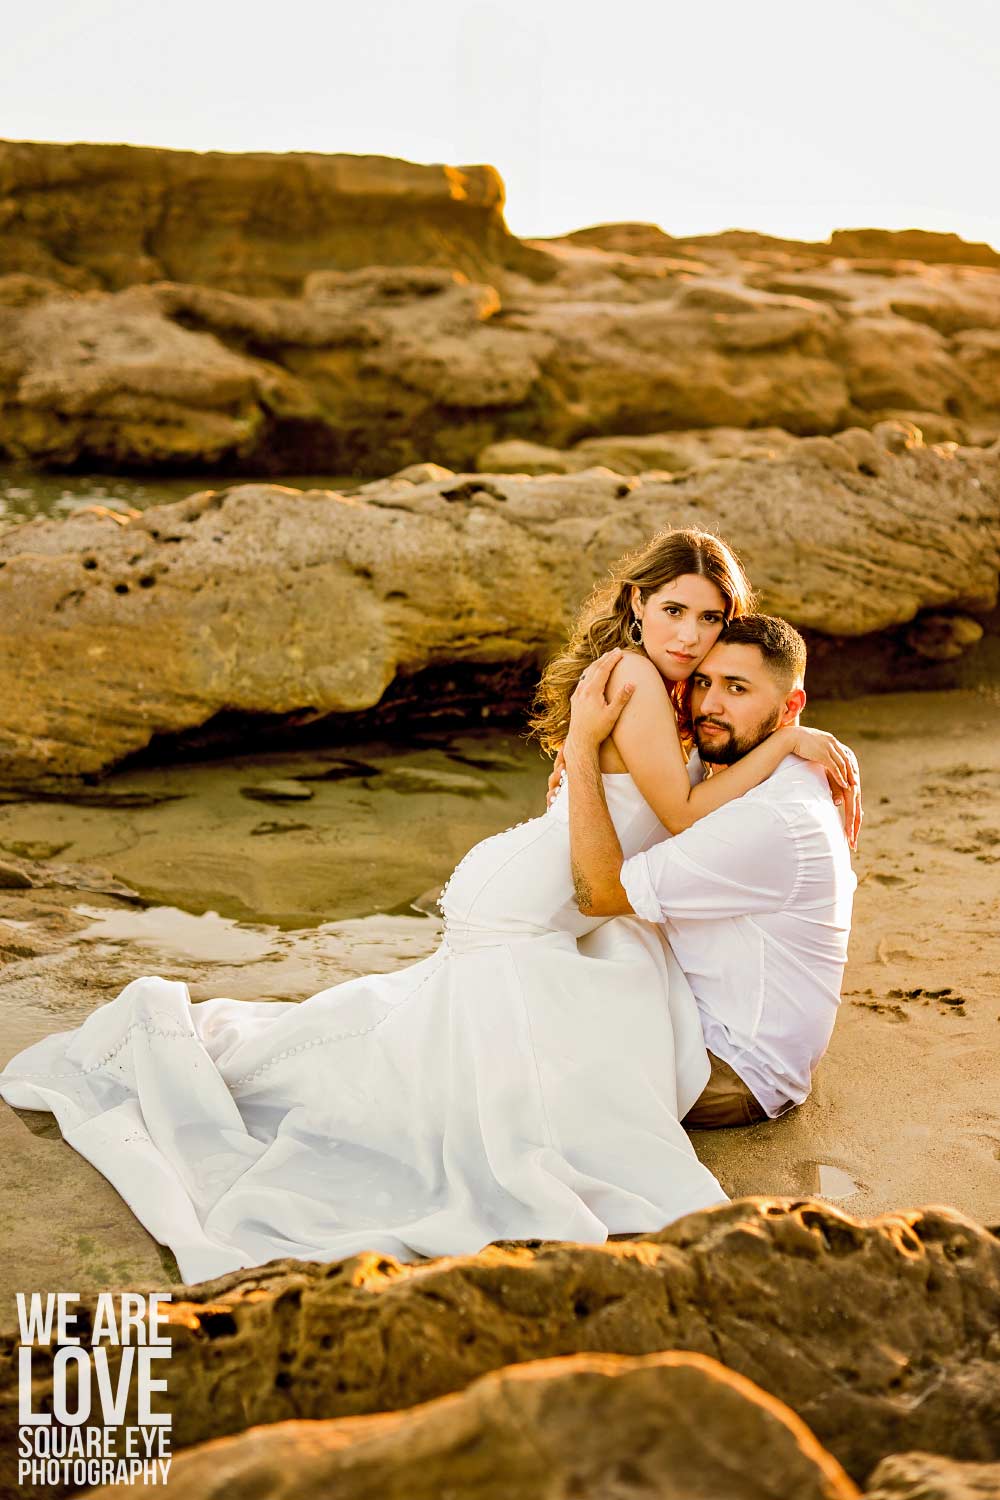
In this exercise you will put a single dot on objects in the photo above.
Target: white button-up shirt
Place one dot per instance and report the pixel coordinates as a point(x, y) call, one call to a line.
point(756, 901)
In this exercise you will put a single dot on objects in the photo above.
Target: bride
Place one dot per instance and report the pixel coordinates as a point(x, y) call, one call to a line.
point(524, 1081)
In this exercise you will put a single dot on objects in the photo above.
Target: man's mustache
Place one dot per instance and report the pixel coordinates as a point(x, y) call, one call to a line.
point(719, 723)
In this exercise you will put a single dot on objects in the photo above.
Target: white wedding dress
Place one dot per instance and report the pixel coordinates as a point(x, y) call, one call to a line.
point(525, 1081)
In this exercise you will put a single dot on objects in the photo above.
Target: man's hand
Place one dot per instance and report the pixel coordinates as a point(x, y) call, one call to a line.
point(591, 716)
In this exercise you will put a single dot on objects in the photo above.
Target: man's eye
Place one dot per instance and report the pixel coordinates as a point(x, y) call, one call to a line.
point(734, 687)
point(701, 682)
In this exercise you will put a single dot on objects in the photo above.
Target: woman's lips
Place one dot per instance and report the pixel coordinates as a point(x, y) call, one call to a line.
point(680, 656)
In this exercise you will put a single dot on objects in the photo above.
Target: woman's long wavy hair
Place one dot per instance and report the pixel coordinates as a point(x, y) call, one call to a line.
point(605, 620)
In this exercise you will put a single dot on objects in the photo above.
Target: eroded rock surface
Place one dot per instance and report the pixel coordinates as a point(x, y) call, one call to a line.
point(119, 628)
point(679, 1426)
point(672, 452)
point(924, 1476)
point(877, 1333)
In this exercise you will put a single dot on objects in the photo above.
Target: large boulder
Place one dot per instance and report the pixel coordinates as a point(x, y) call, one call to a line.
point(106, 217)
point(880, 1335)
point(111, 379)
point(678, 1426)
point(116, 629)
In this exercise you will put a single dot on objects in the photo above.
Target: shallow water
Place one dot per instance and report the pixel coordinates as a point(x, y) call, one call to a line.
point(179, 933)
point(359, 944)
point(835, 1183)
point(290, 839)
point(25, 494)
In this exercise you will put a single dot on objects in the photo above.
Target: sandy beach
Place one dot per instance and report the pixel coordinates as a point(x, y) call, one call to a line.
point(904, 1111)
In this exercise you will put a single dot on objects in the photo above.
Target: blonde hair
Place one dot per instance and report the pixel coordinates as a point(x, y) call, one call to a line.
point(605, 620)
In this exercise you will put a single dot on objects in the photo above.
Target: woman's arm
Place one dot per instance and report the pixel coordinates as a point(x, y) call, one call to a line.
point(647, 739)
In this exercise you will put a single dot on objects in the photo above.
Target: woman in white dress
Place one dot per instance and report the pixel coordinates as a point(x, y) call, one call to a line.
point(524, 1081)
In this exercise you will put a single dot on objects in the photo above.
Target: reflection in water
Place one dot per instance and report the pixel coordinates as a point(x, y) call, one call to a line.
point(835, 1183)
point(774, 1175)
point(362, 945)
point(810, 1179)
point(179, 932)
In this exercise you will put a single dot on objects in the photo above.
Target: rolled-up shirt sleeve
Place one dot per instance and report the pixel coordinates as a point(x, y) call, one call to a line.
point(741, 859)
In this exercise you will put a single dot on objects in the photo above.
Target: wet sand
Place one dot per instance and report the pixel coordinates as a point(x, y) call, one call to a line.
point(291, 839)
point(906, 1105)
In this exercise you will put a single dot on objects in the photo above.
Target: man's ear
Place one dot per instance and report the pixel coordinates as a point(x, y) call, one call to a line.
point(793, 705)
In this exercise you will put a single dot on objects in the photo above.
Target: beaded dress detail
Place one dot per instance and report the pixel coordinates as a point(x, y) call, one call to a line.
point(524, 1081)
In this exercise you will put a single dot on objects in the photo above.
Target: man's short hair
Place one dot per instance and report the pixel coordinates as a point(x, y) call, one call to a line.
point(781, 646)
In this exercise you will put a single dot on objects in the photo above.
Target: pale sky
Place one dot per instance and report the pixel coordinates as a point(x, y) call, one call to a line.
point(786, 116)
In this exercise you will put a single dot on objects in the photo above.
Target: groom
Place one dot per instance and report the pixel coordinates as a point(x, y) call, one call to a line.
point(755, 897)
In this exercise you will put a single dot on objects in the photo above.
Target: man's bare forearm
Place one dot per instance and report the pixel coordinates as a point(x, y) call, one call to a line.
point(595, 852)
point(582, 893)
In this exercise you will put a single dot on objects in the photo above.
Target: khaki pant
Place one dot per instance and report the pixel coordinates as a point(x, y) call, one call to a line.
point(726, 1100)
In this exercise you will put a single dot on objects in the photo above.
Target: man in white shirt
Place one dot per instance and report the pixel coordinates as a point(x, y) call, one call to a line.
point(755, 897)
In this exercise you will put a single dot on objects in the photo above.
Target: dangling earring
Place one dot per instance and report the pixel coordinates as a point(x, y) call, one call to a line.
point(636, 625)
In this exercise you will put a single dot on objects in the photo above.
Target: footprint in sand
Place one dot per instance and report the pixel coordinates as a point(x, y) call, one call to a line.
point(894, 1002)
point(882, 1008)
point(979, 842)
point(965, 772)
point(889, 955)
point(968, 783)
point(946, 998)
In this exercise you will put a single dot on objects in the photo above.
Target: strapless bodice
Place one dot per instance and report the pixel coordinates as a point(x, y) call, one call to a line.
point(519, 882)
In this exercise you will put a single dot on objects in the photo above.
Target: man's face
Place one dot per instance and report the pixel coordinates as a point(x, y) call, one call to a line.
point(735, 703)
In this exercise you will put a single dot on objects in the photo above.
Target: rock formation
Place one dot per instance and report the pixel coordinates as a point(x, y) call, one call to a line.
point(117, 629)
point(97, 217)
point(879, 246)
point(876, 1334)
point(624, 453)
point(357, 314)
point(923, 1476)
point(678, 1426)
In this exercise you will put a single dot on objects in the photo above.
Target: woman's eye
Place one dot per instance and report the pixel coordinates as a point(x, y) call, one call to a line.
point(671, 609)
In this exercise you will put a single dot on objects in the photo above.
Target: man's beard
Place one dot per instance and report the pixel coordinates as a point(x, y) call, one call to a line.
point(725, 750)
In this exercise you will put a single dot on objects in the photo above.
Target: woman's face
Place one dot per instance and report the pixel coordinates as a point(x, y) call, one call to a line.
point(680, 621)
